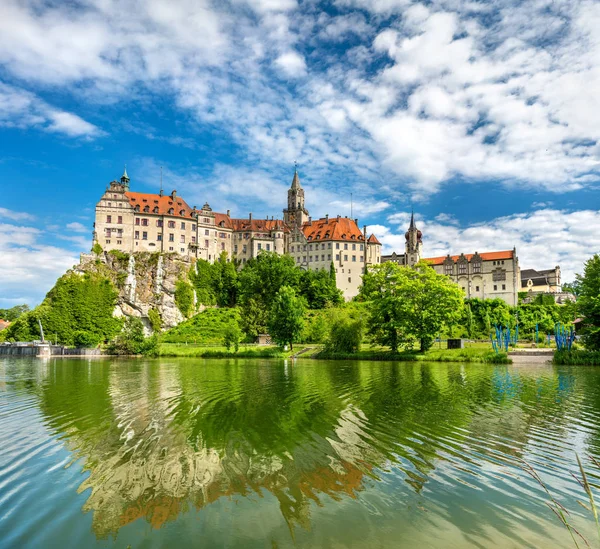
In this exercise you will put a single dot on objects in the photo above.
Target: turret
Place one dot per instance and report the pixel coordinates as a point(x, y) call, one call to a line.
point(414, 242)
point(125, 178)
point(295, 213)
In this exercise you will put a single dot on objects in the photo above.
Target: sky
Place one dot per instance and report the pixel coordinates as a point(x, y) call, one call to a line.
point(481, 116)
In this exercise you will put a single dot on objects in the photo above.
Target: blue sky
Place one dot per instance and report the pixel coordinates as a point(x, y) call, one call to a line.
point(482, 116)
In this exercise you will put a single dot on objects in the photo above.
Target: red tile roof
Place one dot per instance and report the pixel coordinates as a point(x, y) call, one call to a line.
point(163, 203)
point(257, 225)
point(373, 240)
point(334, 228)
point(225, 219)
point(486, 256)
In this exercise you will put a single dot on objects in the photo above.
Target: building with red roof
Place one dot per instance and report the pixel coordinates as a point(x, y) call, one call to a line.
point(144, 222)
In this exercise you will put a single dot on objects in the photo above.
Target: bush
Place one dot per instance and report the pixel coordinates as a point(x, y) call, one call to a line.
point(184, 298)
point(97, 249)
point(232, 336)
point(577, 358)
point(155, 320)
point(345, 336)
point(82, 338)
point(131, 340)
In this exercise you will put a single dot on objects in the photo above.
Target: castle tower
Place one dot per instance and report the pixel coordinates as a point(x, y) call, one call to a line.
point(295, 214)
point(414, 243)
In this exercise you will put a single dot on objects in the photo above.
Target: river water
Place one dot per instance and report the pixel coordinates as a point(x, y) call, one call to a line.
point(257, 453)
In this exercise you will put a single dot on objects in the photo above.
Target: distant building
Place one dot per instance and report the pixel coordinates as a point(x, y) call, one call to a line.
point(4, 324)
point(143, 222)
point(487, 275)
point(547, 281)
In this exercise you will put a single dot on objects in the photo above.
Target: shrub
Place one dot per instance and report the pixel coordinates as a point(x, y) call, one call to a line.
point(97, 249)
point(232, 336)
point(184, 298)
point(345, 336)
point(82, 338)
point(155, 320)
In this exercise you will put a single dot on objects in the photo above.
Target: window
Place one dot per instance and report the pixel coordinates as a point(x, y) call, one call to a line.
point(495, 287)
point(193, 240)
point(345, 257)
point(221, 235)
point(353, 247)
point(182, 249)
point(119, 242)
point(206, 244)
point(137, 235)
point(137, 220)
point(109, 219)
point(205, 220)
point(171, 237)
point(268, 247)
point(120, 219)
point(171, 224)
point(182, 226)
point(477, 267)
point(361, 259)
point(345, 245)
point(292, 249)
point(222, 246)
point(107, 233)
point(498, 275)
point(322, 246)
point(337, 245)
point(329, 245)
point(159, 223)
point(337, 257)
point(349, 279)
point(243, 249)
point(170, 248)
point(361, 247)
point(476, 288)
point(182, 239)
point(354, 258)
point(322, 257)
point(235, 249)
point(448, 268)
point(146, 209)
point(109, 205)
point(298, 259)
point(193, 227)
point(310, 248)
point(108, 241)
point(259, 246)
point(310, 258)
point(462, 268)
point(206, 232)
point(503, 285)
point(144, 222)
point(329, 257)
point(159, 237)
point(144, 235)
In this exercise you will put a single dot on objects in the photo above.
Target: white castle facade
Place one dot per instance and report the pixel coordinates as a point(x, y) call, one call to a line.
point(143, 222)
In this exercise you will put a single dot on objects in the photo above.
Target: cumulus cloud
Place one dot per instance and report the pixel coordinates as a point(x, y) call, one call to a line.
point(292, 64)
point(22, 109)
point(15, 216)
point(77, 227)
point(543, 238)
point(29, 268)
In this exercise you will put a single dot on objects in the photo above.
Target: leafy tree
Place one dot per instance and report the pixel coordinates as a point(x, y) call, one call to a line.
point(572, 287)
point(589, 302)
point(253, 318)
point(408, 304)
point(155, 320)
point(184, 298)
point(469, 321)
point(131, 340)
point(286, 316)
point(82, 338)
point(203, 279)
point(14, 312)
point(225, 277)
point(319, 290)
point(232, 336)
point(97, 249)
point(345, 335)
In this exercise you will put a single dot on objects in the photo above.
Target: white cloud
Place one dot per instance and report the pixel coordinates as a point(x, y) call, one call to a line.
point(292, 64)
point(543, 238)
point(29, 268)
point(22, 109)
point(15, 216)
point(77, 227)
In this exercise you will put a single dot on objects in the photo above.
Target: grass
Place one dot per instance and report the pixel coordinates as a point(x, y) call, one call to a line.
point(476, 353)
point(199, 351)
point(577, 358)
point(205, 328)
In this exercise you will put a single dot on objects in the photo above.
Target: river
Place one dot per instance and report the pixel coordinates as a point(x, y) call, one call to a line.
point(273, 453)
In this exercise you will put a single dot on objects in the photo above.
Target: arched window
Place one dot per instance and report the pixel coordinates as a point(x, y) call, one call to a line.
point(146, 209)
point(137, 208)
point(171, 211)
point(182, 213)
point(155, 209)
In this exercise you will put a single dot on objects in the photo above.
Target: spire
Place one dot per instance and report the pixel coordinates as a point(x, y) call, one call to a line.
point(296, 180)
point(125, 177)
point(412, 220)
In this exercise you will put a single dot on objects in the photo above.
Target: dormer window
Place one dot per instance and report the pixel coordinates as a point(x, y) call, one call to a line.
point(155, 210)
point(171, 211)
point(353, 237)
point(146, 209)
point(137, 208)
point(182, 213)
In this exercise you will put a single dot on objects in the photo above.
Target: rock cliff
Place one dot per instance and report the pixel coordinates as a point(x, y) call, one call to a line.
point(146, 283)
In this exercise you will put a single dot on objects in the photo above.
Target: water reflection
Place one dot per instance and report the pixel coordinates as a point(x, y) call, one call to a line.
point(159, 439)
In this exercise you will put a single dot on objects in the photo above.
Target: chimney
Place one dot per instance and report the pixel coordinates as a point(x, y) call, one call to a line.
point(338, 216)
point(161, 193)
point(310, 220)
point(173, 194)
point(326, 218)
point(356, 221)
point(228, 213)
point(250, 216)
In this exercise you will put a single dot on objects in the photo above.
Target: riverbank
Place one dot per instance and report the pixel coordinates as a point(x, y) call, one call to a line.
point(577, 358)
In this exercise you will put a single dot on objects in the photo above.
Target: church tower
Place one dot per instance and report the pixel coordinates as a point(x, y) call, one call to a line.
point(414, 243)
point(295, 215)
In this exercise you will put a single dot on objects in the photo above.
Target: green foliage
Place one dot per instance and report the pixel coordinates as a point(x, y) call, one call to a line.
point(319, 289)
point(75, 304)
point(253, 318)
point(131, 340)
point(316, 326)
point(215, 283)
point(155, 320)
point(85, 339)
point(232, 336)
point(205, 328)
point(589, 302)
point(202, 279)
point(469, 321)
point(97, 249)
point(408, 304)
point(184, 298)
point(120, 256)
point(544, 299)
point(13, 313)
point(572, 287)
point(577, 358)
point(345, 335)
point(286, 316)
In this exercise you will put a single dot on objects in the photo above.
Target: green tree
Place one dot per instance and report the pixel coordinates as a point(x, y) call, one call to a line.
point(589, 302)
point(203, 278)
point(345, 335)
point(319, 290)
point(184, 298)
point(286, 316)
point(232, 336)
point(469, 321)
point(14, 312)
point(408, 304)
point(131, 340)
point(572, 287)
point(253, 318)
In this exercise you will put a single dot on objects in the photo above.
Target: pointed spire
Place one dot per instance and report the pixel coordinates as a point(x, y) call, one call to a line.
point(412, 220)
point(125, 177)
point(296, 180)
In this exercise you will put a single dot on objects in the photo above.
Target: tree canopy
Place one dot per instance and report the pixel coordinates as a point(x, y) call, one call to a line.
point(409, 304)
point(589, 302)
point(286, 316)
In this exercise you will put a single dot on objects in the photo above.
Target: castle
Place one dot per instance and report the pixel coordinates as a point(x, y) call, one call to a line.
point(483, 275)
point(141, 222)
